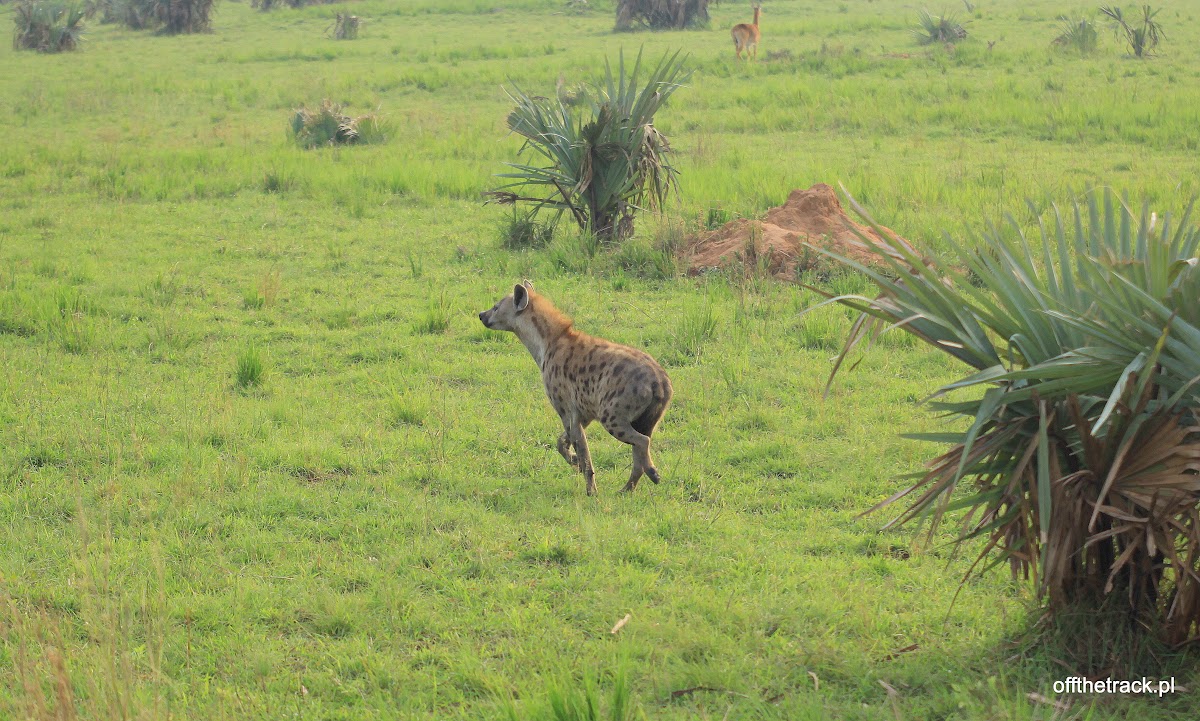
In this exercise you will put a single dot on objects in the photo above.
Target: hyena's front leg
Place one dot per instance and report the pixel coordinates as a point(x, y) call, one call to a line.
point(579, 440)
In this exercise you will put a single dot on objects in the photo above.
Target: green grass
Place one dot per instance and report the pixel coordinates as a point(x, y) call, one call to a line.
point(250, 369)
point(383, 529)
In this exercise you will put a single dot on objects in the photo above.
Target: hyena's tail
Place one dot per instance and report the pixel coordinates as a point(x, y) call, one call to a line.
point(650, 417)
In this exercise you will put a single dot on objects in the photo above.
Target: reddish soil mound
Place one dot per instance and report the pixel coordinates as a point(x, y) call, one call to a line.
point(809, 216)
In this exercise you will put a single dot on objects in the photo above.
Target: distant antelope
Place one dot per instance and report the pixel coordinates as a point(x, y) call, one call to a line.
point(745, 37)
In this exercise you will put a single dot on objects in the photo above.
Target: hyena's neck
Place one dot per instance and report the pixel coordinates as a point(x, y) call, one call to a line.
point(540, 330)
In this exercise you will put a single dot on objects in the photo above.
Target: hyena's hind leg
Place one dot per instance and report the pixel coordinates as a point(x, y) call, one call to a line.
point(645, 424)
point(624, 432)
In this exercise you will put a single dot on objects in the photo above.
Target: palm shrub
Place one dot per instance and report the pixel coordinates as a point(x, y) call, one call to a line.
point(1080, 461)
point(943, 29)
point(330, 125)
point(48, 27)
point(604, 159)
point(1079, 35)
point(1143, 38)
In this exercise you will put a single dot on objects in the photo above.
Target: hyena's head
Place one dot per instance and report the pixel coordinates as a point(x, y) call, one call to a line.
point(504, 315)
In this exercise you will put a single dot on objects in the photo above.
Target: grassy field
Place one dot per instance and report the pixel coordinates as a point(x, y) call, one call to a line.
point(373, 522)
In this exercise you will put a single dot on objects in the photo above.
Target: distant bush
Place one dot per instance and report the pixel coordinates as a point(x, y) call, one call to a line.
point(172, 17)
point(944, 29)
point(266, 5)
point(661, 14)
point(47, 27)
point(124, 12)
point(345, 27)
point(329, 125)
point(180, 16)
point(1079, 35)
point(1142, 38)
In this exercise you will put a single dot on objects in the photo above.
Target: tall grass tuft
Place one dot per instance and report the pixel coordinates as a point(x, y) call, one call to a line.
point(696, 328)
point(581, 700)
point(47, 27)
point(163, 289)
point(18, 314)
point(407, 409)
point(1078, 462)
point(250, 370)
point(66, 321)
point(943, 29)
point(436, 318)
point(264, 294)
point(523, 230)
point(573, 253)
point(638, 258)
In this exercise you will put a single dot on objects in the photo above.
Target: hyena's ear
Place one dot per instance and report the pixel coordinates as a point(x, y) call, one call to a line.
point(527, 284)
point(520, 298)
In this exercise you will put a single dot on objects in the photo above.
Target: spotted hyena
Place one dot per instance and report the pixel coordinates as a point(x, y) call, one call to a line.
point(588, 379)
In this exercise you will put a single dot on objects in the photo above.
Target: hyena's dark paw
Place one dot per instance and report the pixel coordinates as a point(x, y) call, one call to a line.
point(653, 473)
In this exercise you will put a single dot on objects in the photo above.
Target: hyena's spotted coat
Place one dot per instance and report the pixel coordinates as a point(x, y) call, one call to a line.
point(588, 379)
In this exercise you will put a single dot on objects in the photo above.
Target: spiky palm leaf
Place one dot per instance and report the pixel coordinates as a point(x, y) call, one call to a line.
point(603, 164)
point(1081, 459)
